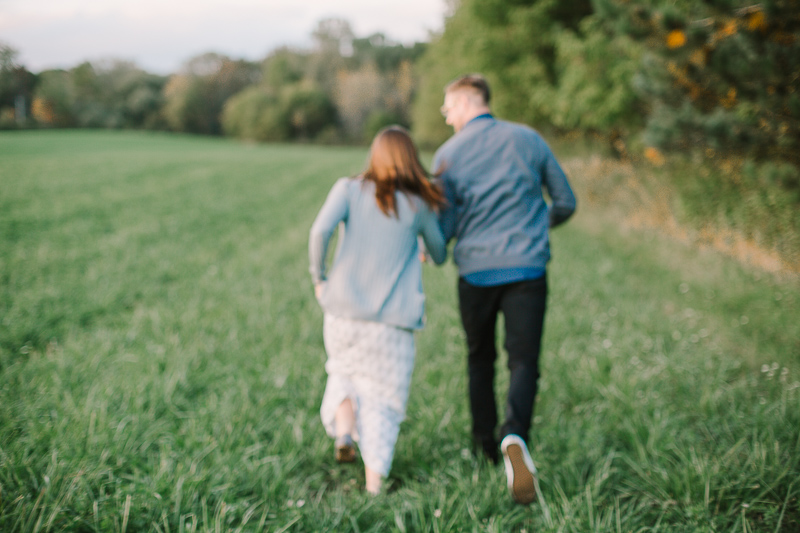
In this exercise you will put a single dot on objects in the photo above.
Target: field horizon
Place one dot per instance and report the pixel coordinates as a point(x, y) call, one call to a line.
point(161, 362)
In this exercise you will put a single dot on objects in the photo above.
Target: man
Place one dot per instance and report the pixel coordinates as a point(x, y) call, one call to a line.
point(493, 173)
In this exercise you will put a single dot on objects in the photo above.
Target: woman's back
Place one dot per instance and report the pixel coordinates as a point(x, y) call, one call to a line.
point(376, 274)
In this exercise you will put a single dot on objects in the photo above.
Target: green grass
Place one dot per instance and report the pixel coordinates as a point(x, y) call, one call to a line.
point(161, 363)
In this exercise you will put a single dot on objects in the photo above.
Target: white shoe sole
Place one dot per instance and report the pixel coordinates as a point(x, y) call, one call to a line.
point(520, 470)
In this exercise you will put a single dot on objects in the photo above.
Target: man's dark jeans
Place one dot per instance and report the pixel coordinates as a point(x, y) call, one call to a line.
point(523, 306)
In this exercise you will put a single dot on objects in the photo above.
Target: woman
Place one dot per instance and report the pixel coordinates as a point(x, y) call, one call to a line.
point(372, 296)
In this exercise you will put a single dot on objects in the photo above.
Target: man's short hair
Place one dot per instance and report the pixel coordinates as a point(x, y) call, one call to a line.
point(473, 82)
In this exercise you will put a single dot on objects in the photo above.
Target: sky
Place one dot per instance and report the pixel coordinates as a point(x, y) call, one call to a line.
point(160, 35)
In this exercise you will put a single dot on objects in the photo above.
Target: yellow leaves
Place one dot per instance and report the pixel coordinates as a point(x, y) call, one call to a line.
point(698, 57)
point(42, 111)
point(783, 38)
point(689, 65)
point(654, 156)
point(682, 79)
point(752, 19)
point(778, 128)
point(730, 27)
point(757, 21)
point(726, 28)
point(676, 39)
point(729, 100)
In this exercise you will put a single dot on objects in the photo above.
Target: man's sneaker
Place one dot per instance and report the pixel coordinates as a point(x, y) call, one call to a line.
point(344, 450)
point(520, 470)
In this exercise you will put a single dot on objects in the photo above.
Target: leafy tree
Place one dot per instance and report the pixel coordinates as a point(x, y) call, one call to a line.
point(16, 89)
point(284, 66)
point(309, 110)
point(358, 94)
point(140, 97)
point(194, 98)
point(52, 103)
point(595, 68)
point(387, 55)
point(723, 76)
point(112, 94)
point(377, 120)
point(514, 44)
point(296, 112)
point(446, 57)
point(330, 91)
point(333, 35)
point(333, 43)
point(255, 114)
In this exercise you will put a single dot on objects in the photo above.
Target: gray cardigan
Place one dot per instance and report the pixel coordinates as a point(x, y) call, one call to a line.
point(494, 173)
point(376, 274)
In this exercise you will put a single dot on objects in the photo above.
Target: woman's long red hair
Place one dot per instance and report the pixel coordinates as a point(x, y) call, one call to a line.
point(394, 166)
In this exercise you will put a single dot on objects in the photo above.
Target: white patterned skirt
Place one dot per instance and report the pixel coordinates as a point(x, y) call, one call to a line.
point(370, 363)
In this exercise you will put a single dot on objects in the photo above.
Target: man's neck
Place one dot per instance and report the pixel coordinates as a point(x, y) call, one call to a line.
point(474, 112)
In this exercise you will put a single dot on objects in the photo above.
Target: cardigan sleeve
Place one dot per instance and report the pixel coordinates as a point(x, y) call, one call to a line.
point(333, 211)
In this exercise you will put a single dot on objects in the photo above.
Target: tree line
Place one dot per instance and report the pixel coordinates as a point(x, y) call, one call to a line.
point(342, 90)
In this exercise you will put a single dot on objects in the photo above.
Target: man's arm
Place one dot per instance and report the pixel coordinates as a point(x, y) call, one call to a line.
point(563, 199)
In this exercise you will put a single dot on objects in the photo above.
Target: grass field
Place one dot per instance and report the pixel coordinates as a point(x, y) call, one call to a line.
point(161, 363)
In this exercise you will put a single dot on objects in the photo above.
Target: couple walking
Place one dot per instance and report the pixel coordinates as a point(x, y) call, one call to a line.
point(489, 197)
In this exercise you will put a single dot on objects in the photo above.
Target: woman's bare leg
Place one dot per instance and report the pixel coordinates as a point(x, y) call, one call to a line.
point(345, 418)
point(374, 481)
